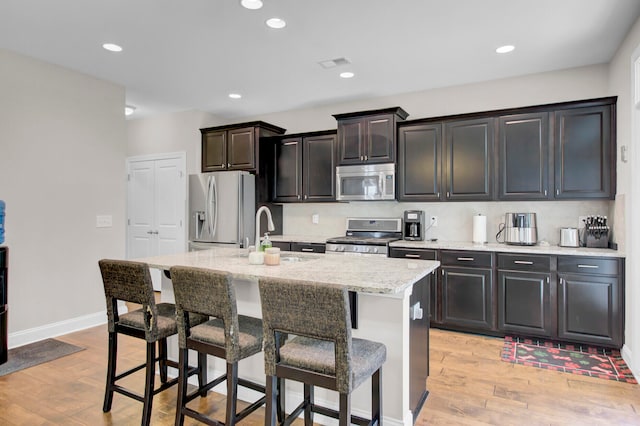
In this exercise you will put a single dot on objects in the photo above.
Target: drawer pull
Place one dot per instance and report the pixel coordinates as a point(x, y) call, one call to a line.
point(466, 259)
point(414, 256)
point(523, 262)
point(588, 266)
point(307, 249)
point(290, 143)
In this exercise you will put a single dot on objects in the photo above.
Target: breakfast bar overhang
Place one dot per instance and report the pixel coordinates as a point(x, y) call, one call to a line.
point(392, 308)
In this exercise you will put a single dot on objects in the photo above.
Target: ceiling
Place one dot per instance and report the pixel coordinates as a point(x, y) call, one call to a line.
point(190, 54)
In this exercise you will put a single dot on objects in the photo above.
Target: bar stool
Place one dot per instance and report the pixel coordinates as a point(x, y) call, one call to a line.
point(228, 336)
point(322, 353)
point(131, 282)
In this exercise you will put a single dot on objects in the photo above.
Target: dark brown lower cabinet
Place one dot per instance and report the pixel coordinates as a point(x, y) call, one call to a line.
point(419, 346)
point(525, 303)
point(467, 298)
point(589, 309)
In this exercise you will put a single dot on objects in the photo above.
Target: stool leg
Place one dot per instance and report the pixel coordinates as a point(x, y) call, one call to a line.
point(281, 400)
point(202, 372)
point(308, 402)
point(345, 409)
point(162, 355)
point(376, 398)
point(183, 366)
point(232, 393)
point(271, 394)
point(111, 372)
point(149, 383)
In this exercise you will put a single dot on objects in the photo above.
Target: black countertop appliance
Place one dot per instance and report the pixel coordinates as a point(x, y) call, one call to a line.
point(413, 225)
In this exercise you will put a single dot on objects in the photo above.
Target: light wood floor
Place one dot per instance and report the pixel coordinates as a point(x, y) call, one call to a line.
point(469, 385)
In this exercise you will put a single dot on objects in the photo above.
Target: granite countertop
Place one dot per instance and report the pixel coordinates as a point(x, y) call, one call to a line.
point(468, 245)
point(360, 273)
point(508, 248)
point(312, 239)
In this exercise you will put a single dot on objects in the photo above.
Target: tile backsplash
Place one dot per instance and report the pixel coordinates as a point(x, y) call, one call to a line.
point(454, 218)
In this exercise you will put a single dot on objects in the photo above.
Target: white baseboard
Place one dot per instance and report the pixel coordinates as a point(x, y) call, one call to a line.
point(627, 355)
point(48, 331)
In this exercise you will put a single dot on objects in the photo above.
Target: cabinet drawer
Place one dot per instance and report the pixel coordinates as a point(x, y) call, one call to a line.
point(282, 245)
point(412, 253)
point(588, 265)
point(308, 247)
point(524, 262)
point(467, 258)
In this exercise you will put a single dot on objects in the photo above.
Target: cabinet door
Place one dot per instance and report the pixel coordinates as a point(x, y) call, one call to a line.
point(469, 159)
point(380, 139)
point(214, 151)
point(524, 303)
point(241, 149)
point(467, 298)
point(583, 153)
point(419, 159)
point(523, 142)
point(319, 168)
point(287, 183)
point(351, 133)
point(590, 309)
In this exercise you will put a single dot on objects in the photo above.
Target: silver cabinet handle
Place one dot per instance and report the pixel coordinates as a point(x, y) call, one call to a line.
point(448, 194)
point(362, 158)
point(229, 165)
point(588, 266)
point(413, 256)
point(366, 157)
point(466, 259)
point(437, 195)
point(306, 197)
point(545, 192)
point(557, 192)
point(522, 262)
point(289, 143)
point(149, 232)
point(298, 197)
point(307, 249)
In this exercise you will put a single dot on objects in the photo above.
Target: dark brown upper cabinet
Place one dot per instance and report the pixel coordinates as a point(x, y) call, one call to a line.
point(305, 168)
point(235, 147)
point(585, 153)
point(468, 153)
point(523, 156)
point(419, 162)
point(369, 136)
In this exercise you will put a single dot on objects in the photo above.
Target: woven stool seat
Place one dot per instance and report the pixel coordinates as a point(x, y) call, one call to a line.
point(131, 282)
point(320, 351)
point(226, 335)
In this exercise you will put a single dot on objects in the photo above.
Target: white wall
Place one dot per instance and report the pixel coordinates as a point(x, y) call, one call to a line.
point(628, 200)
point(62, 151)
point(170, 133)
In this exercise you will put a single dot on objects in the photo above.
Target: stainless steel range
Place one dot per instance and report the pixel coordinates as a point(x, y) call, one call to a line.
point(367, 235)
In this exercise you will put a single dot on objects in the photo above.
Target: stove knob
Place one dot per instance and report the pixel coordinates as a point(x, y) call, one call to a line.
point(375, 250)
point(340, 248)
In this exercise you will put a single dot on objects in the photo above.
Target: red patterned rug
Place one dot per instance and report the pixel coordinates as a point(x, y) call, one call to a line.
point(569, 358)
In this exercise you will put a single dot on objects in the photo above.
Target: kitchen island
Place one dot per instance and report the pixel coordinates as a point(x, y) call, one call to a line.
point(391, 296)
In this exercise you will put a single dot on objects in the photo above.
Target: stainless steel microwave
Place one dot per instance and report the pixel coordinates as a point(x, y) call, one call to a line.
point(366, 182)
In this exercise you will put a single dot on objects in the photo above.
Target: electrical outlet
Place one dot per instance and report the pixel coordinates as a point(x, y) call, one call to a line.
point(433, 221)
point(104, 221)
point(581, 221)
point(315, 218)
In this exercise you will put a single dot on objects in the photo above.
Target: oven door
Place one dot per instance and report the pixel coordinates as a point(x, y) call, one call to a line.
point(363, 183)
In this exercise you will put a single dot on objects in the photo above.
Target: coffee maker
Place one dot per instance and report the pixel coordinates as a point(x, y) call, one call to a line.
point(413, 228)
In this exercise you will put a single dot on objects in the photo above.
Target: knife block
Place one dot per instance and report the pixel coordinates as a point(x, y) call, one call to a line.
point(601, 241)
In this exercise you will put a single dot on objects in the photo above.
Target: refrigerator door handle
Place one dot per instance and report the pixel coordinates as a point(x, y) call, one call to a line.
point(207, 206)
point(214, 202)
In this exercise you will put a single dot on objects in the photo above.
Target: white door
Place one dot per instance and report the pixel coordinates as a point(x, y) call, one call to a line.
point(156, 204)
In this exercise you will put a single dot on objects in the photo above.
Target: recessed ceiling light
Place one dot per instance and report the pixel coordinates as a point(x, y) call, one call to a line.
point(128, 109)
point(505, 49)
point(251, 4)
point(235, 95)
point(112, 47)
point(347, 74)
point(276, 23)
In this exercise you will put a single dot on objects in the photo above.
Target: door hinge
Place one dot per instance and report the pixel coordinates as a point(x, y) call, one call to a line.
point(180, 174)
point(128, 221)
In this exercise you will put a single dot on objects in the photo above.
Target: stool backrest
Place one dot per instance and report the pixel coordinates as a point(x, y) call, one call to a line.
point(131, 282)
point(207, 292)
point(313, 310)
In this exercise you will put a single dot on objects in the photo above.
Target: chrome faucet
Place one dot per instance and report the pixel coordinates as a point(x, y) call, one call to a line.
point(270, 224)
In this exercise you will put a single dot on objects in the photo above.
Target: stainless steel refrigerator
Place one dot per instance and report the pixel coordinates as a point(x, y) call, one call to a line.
point(222, 207)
